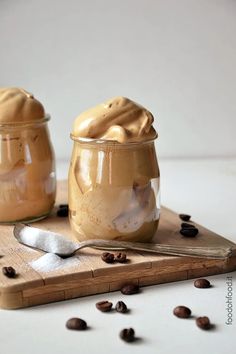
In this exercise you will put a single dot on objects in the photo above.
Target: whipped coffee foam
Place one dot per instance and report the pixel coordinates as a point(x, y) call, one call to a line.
point(118, 119)
point(18, 105)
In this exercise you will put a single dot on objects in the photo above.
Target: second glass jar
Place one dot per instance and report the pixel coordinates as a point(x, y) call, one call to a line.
point(27, 172)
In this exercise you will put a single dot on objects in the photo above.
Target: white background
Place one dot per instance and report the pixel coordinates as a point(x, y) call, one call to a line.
point(176, 57)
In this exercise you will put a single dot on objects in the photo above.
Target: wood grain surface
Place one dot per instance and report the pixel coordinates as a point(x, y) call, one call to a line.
point(90, 275)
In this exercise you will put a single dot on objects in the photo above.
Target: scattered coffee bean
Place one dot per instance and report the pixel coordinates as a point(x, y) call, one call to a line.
point(63, 205)
point(76, 323)
point(9, 272)
point(185, 217)
point(203, 322)
point(189, 232)
point(182, 312)
point(130, 289)
point(202, 283)
point(127, 334)
point(104, 306)
point(121, 307)
point(107, 257)
point(185, 225)
point(120, 257)
point(63, 211)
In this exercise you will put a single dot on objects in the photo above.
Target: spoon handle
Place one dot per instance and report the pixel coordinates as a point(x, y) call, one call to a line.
point(201, 252)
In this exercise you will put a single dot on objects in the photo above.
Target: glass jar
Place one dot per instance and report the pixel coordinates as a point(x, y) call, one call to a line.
point(27, 171)
point(114, 190)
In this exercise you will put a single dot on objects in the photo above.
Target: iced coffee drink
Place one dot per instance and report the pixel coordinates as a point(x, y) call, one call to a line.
point(27, 163)
point(114, 174)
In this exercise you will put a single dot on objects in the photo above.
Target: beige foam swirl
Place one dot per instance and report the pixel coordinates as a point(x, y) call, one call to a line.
point(118, 119)
point(18, 105)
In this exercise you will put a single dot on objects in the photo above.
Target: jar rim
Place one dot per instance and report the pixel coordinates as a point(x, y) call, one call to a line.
point(27, 123)
point(109, 142)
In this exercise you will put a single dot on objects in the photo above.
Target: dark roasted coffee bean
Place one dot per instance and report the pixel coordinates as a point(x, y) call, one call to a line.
point(76, 323)
point(130, 289)
point(121, 307)
point(62, 212)
point(186, 225)
point(182, 312)
point(120, 257)
point(107, 257)
point(127, 334)
point(9, 272)
point(185, 217)
point(202, 283)
point(203, 322)
point(63, 206)
point(189, 232)
point(104, 306)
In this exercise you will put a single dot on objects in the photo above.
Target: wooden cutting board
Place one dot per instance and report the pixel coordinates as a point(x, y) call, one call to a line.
point(90, 275)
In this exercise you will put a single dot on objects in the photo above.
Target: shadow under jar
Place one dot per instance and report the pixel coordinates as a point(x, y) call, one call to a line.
point(114, 190)
point(27, 171)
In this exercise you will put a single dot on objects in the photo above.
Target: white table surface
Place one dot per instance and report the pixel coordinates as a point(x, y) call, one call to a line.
point(207, 190)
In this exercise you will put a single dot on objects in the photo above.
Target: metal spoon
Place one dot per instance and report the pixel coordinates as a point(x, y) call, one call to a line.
point(48, 241)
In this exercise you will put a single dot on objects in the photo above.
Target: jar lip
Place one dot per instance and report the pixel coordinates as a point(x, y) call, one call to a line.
point(25, 123)
point(109, 142)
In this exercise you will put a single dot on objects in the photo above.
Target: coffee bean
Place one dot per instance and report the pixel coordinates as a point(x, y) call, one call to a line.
point(63, 206)
point(182, 312)
point(121, 307)
point(76, 323)
point(130, 289)
point(127, 334)
point(185, 217)
point(202, 283)
point(63, 211)
point(9, 272)
point(120, 257)
point(203, 322)
point(104, 306)
point(185, 225)
point(107, 257)
point(189, 232)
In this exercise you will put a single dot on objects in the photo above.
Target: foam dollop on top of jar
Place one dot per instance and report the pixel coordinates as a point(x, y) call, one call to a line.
point(118, 119)
point(18, 105)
